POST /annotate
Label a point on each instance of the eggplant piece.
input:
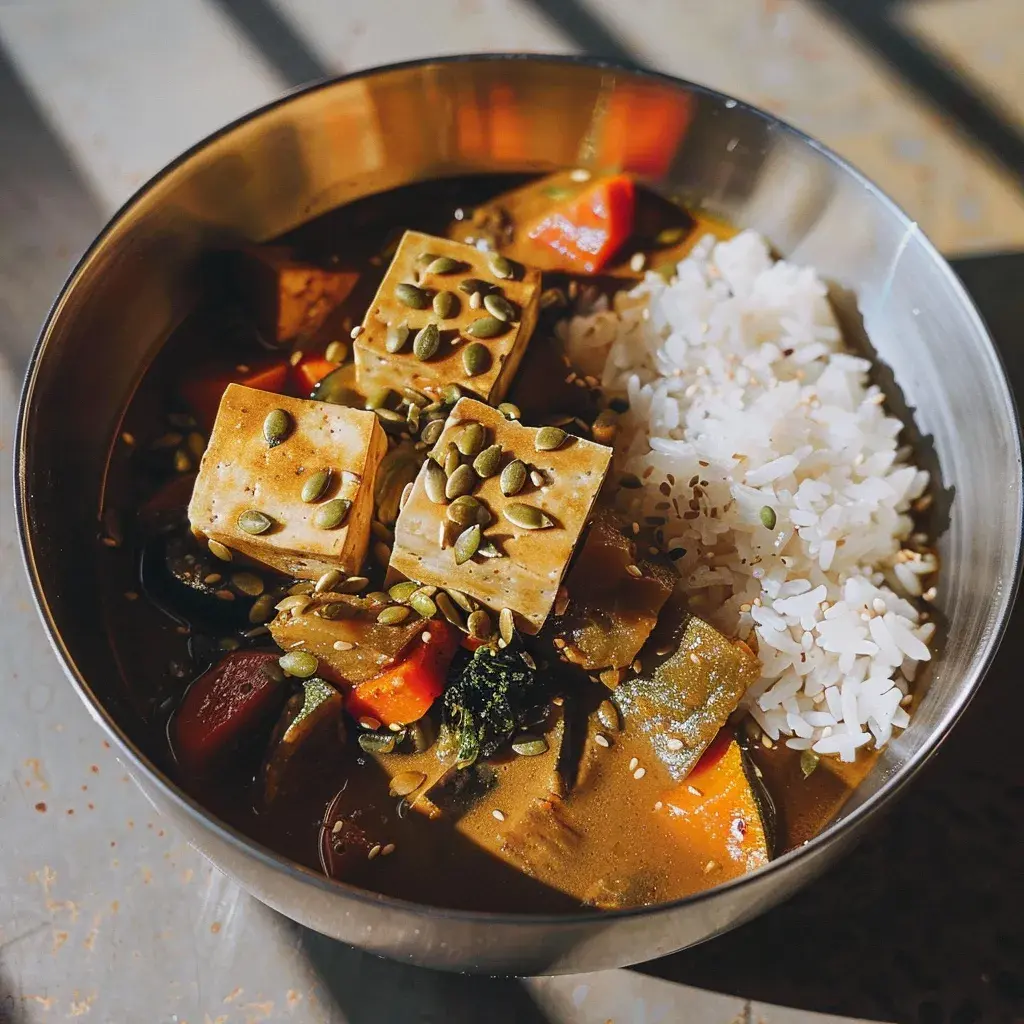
(457, 791)
(187, 583)
(683, 702)
(311, 721)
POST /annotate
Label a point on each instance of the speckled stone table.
(105, 913)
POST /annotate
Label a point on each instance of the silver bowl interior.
(338, 141)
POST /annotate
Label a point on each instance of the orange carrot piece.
(587, 231)
(310, 372)
(203, 393)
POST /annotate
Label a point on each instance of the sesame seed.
(580, 174)
(674, 744)
(498, 815)
(338, 826)
(634, 570)
(388, 850)
(930, 594)
(128, 439)
(131, 595)
(637, 666)
(601, 740)
(710, 866)
(636, 528)
(367, 722)
(296, 357)
(570, 378)
(476, 300)
(537, 478)
(695, 658)
(426, 636)
(658, 806)
(766, 742)
(694, 790)
(356, 331)
(374, 851)
(637, 262)
(639, 773)
(633, 762)
(110, 542)
(591, 381)
(343, 645)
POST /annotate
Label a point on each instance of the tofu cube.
(526, 579)
(241, 472)
(377, 367)
(290, 299)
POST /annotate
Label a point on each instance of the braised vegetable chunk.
(288, 299)
(342, 632)
(721, 812)
(614, 598)
(589, 229)
(404, 692)
(203, 393)
(447, 313)
(497, 510)
(682, 704)
(308, 718)
(257, 491)
(228, 707)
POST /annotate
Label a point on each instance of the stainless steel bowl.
(344, 139)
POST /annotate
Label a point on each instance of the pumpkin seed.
(304, 587)
(466, 544)
(507, 625)
(475, 359)
(432, 431)
(808, 762)
(471, 439)
(327, 582)
(608, 716)
(768, 517)
(434, 482)
(272, 671)
(262, 609)
(670, 236)
(407, 782)
(476, 300)
(248, 583)
(316, 486)
(412, 419)
(464, 601)
(377, 599)
(467, 510)
(401, 592)
(424, 260)
(488, 549)
(479, 625)
(396, 337)
(378, 398)
(510, 411)
(513, 478)
(218, 550)
(196, 444)
(547, 439)
(182, 463)
(254, 522)
(423, 604)
(501, 266)
(336, 352)
(427, 342)
(552, 297)
(377, 742)
(450, 394)
(294, 603)
(527, 517)
(411, 296)
(353, 585)
(487, 463)
(447, 608)
(451, 459)
(276, 427)
(530, 746)
(474, 284)
(381, 553)
(335, 610)
(446, 305)
(300, 664)
(387, 416)
(498, 306)
(486, 327)
(331, 514)
(443, 265)
(393, 615)
(461, 482)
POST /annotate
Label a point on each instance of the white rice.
(736, 375)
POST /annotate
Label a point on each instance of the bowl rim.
(267, 857)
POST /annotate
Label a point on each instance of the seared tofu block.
(614, 598)
(433, 281)
(290, 299)
(343, 633)
(254, 494)
(531, 506)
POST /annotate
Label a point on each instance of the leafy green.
(484, 703)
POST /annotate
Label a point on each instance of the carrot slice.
(405, 692)
(203, 392)
(588, 230)
(310, 372)
(717, 813)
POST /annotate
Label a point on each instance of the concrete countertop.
(105, 913)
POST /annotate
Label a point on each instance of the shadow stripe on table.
(584, 28)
